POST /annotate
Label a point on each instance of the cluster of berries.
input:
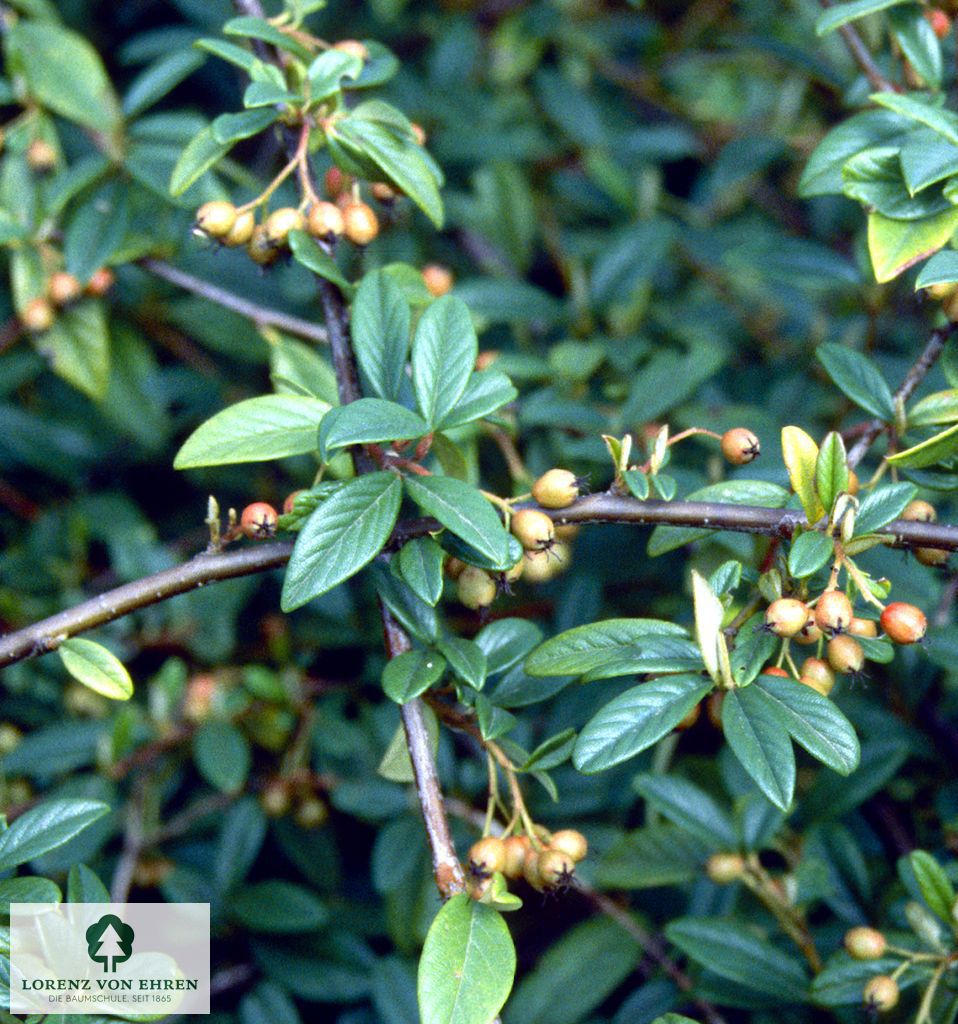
(881, 992)
(62, 291)
(283, 794)
(547, 863)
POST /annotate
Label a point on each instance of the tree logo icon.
(109, 941)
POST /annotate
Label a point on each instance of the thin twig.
(261, 316)
(862, 56)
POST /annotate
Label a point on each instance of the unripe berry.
(360, 223)
(41, 156)
(865, 943)
(258, 521)
(567, 532)
(476, 588)
(540, 566)
(740, 446)
(556, 868)
(101, 282)
(556, 489)
(786, 616)
(275, 799)
(514, 574)
(903, 623)
(325, 221)
(939, 21)
(933, 557)
(311, 813)
(453, 567)
(487, 856)
(353, 47)
(534, 530)
(215, 219)
(863, 627)
(10, 737)
(530, 870)
(845, 654)
(38, 315)
(853, 482)
(833, 612)
(570, 842)
(383, 193)
(818, 675)
(881, 993)
(241, 231)
(774, 670)
(810, 633)
(260, 249)
(713, 708)
(437, 279)
(919, 511)
(516, 848)
(63, 288)
(279, 224)
(725, 868)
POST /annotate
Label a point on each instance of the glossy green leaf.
(327, 71)
(942, 268)
(444, 350)
(859, 378)
(689, 807)
(841, 14)
(409, 674)
(78, 348)
(883, 505)
(259, 28)
(928, 453)
(96, 668)
(809, 552)
(419, 563)
(485, 392)
(831, 469)
(368, 421)
(760, 742)
(590, 647)
(308, 252)
(934, 410)
(466, 659)
(45, 827)
(278, 907)
(936, 887)
(896, 245)
(380, 332)
(256, 430)
(924, 111)
(222, 755)
(344, 534)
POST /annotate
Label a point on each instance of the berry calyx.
(280, 223)
(919, 511)
(361, 225)
(325, 221)
(903, 623)
(786, 617)
(845, 655)
(863, 627)
(865, 943)
(101, 281)
(570, 842)
(881, 993)
(809, 634)
(516, 849)
(534, 530)
(740, 446)
(487, 856)
(215, 218)
(725, 868)
(557, 488)
(475, 588)
(556, 869)
(258, 521)
(833, 612)
(817, 675)
(63, 288)
(38, 315)
(241, 231)
(437, 279)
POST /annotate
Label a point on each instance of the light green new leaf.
(78, 347)
(831, 469)
(801, 457)
(935, 885)
(709, 612)
(96, 668)
(935, 409)
(345, 533)
(467, 966)
(256, 430)
(928, 453)
(896, 245)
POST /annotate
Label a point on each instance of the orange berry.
(939, 21)
(325, 221)
(740, 446)
(41, 156)
(354, 47)
(516, 848)
(845, 654)
(881, 993)
(903, 623)
(919, 511)
(863, 627)
(786, 617)
(833, 612)
(437, 279)
(258, 521)
(336, 183)
(774, 670)
(38, 315)
(534, 530)
(101, 282)
(487, 856)
(558, 488)
(361, 224)
(63, 288)
(818, 675)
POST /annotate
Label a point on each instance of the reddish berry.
(740, 446)
(353, 47)
(903, 623)
(939, 21)
(786, 617)
(336, 183)
(690, 719)
(63, 288)
(865, 943)
(486, 358)
(38, 315)
(101, 282)
(853, 483)
(774, 670)
(383, 193)
(290, 500)
(419, 133)
(258, 521)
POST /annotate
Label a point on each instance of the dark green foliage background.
(622, 215)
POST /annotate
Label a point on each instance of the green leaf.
(761, 743)
(380, 332)
(84, 886)
(813, 721)
(842, 981)
(278, 907)
(463, 511)
(259, 28)
(941, 121)
(63, 73)
(809, 553)
(97, 668)
(918, 42)
(444, 350)
(307, 251)
(230, 128)
(875, 178)
(466, 659)
(823, 172)
(327, 71)
(222, 755)
(635, 720)
(934, 410)
(420, 565)
(396, 765)
(709, 612)
(199, 156)
(735, 951)
(368, 421)
(859, 378)
(831, 469)
(269, 94)
(96, 231)
(649, 857)
(159, 79)
(551, 752)
(345, 533)
(883, 505)
(467, 965)
(942, 268)
(78, 347)
(409, 674)
(801, 458)
(229, 52)
(689, 807)
(928, 453)
(934, 884)
(45, 827)
(29, 889)
(841, 14)
(926, 159)
(591, 647)
(485, 392)
(256, 430)
(896, 245)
